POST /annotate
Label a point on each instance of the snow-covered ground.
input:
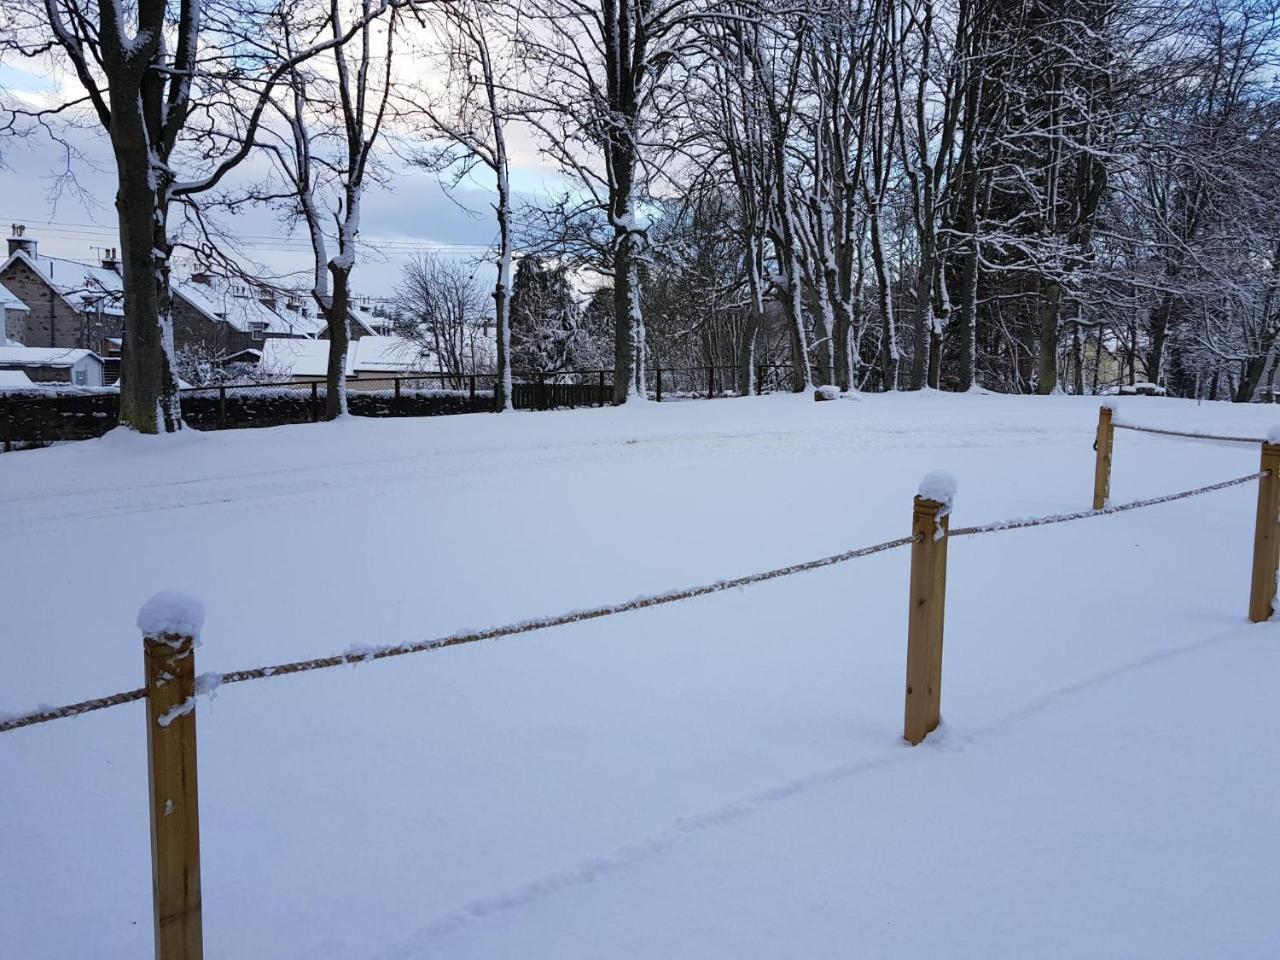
(723, 777)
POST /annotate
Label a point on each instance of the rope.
(492, 633)
(71, 710)
(1105, 511)
(1183, 433)
(609, 610)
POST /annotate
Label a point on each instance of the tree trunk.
(149, 401)
(335, 404)
(1159, 332)
(1047, 368)
(628, 340)
(502, 297)
(888, 339)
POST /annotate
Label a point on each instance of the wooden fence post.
(1102, 466)
(929, 526)
(1266, 535)
(658, 372)
(315, 401)
(711, 383)
(170, 624)
(222, 407)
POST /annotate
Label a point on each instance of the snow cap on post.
(171, 612)
(940, 487)
(1273, 435)
(1111, 404)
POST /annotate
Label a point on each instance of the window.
(256, 331)
(79, 377)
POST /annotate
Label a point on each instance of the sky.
(412, 213)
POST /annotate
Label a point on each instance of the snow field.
(719, 777)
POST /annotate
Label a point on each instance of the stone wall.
(81, 414)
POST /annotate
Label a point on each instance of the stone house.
(78, 305)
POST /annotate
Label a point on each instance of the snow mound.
(171, 611)
(940, 487)
(827, 392)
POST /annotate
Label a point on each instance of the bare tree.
(442, 315)
(472, 114)
(147, 70)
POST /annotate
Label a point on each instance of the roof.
(362, 313)
(8, 301)
(299, 358)
(366, 356)
(84, 287)
(14, 378)
(392, 355)
(44, 356)
(240, 305)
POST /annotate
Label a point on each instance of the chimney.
(201, 276)
(111, 260)
(20, 241)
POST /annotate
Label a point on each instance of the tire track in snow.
(685, 829)
(344, 477)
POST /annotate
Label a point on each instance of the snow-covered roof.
(242, 306)
(10, 302)
(362, 313)
(392, 355)
(14, 378)
(83, 286)
(299, 358)
(368, 356)
(44, 356)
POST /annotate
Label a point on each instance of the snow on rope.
(1019, 524)
(1189, 434)
(366, 654)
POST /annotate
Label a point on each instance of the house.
(69, 304)
(79, 305)
(13, 314)
(371, 359)
(53, 365)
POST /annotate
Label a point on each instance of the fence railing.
(171, 624)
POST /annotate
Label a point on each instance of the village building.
(371, 361)
(50, 365)
(69, 304)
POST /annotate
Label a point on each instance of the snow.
(720, 777)
(171, 612)
(1273, 433)
(44, 356)
(827, 392)
(940, 487)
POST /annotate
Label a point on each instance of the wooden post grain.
(1266, 537)
(1102, 466)
(175, 821)
(925, 619)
